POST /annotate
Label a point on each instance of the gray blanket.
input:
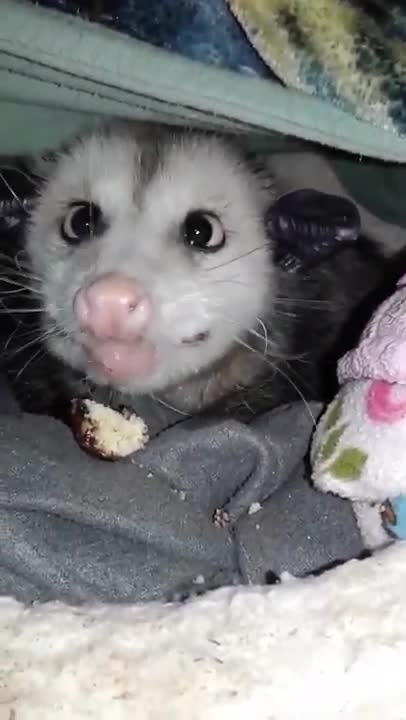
(76, 528)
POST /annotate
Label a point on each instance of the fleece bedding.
(76, 532)
(78, 529)
(329, 647)
(58, 70)
(330, 72)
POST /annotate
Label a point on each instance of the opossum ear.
(42, 165)
(17, 193)
(308, 226)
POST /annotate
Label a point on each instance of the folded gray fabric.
(76, 528)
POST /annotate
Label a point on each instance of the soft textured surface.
(58, 72)
(359, 446)
(76, 528)
(332, 647)
(360, 457)
(203, 30)
(381, 351)
(349, 52)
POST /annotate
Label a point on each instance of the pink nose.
(114, 306)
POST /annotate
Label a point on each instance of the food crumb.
(199, 580)
(221, 518)
(107, 433)
(254, 508)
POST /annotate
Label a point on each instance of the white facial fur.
(224, 292)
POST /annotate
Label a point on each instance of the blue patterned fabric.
(353, 56)
(291, 42)
(203, 30)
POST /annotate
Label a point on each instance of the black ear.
(17, 194)
(308, 226)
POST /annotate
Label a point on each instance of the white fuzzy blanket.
(322, 648)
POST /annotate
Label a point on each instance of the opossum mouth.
(196, 339)
(119, 361)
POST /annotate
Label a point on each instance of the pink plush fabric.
(381, 352)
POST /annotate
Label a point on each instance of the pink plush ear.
(402, 281)
(381, 353)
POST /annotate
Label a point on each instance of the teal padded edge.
(32, 129)
(60, 62)
(379, 187)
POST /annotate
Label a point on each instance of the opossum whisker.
(263, 337)
(272, 350)
(39, 338)
(303, 302)
(16, 291)
(275, 353)
(20, 270)
(19, 170)
(13, 271)
(24, 265)
(13, 332)
(168, 406)
(277, 369)
(230, 281)
(28, 344)
(8, 278)
(20, 335)
(313, 304)
(285, 313)
(236, 258)
(11, 190)
(279, 299)
(18, 276)
(16, 257)
(20, 287)
(12, 311)
(40, 352)
(266, 338)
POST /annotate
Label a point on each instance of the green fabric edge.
(379, 187)
(50, 62)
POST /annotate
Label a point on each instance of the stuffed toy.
(359, 446)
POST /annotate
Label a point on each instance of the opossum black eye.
(203, 231)
(82, 221)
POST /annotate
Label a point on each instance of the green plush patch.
(333, 414)
(331, 442)
(348, 465)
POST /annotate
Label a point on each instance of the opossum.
(151, 271)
